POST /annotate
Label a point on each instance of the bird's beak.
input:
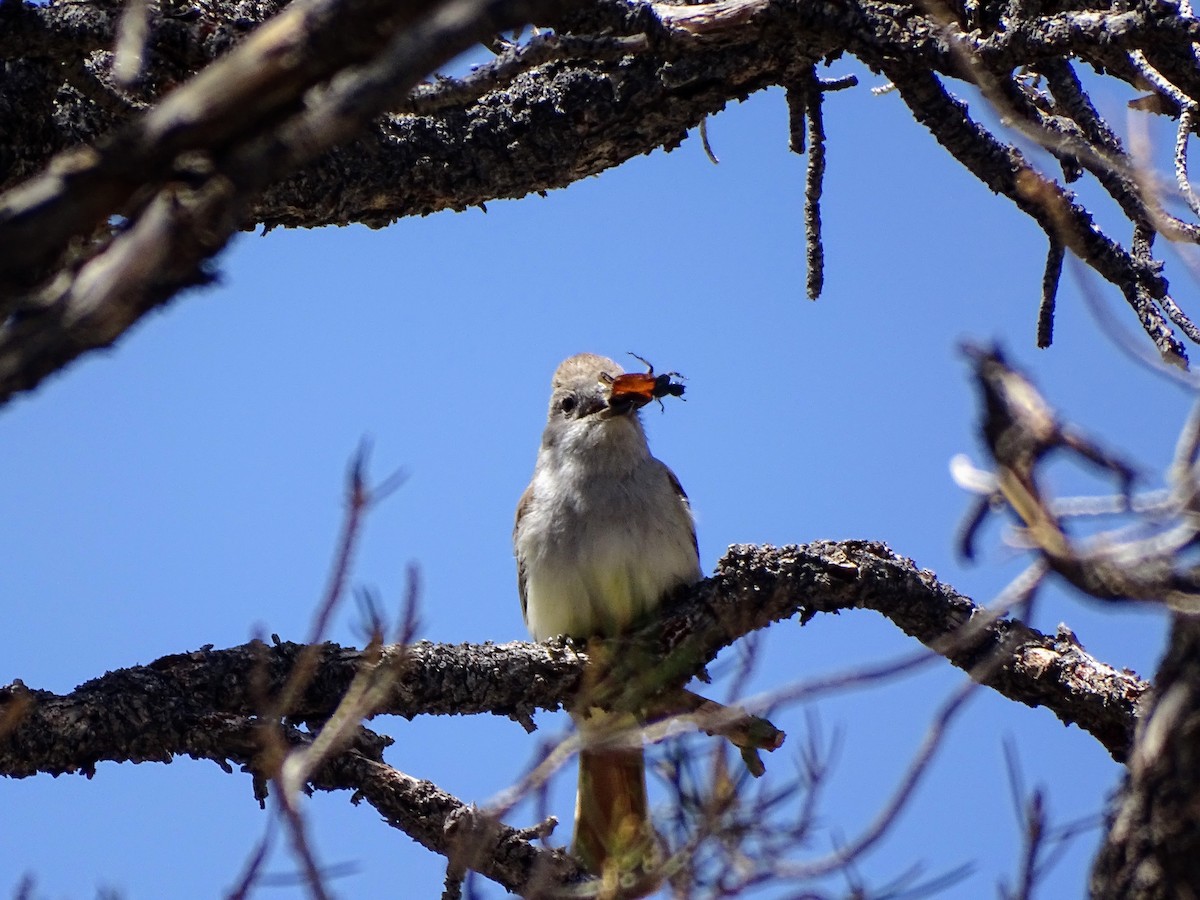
(616, 403)
(622, 405)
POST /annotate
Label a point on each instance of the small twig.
(845, 82)
(359, 498)
(708, 150)
(1050, 279)
(1187, 124)
(374, 681)
(806, 129)
(1143, 242)
(292, 769)
(1042, 844)
(749, 733)
(452, 887)
(797, 103)
(254, 864)
(1160, 81)
(1032, 812)
(1182, 474)
(813, 185)
(1165, 366)
(302, 846)
(917, 768)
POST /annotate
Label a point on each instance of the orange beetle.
(642, 387)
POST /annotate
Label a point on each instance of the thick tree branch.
(267, 134)
(149, 713)
(756, 585)
(205, 151)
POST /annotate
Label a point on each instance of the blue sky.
(185, 488)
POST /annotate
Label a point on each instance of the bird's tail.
(614, 838)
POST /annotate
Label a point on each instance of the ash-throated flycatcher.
(603, 533)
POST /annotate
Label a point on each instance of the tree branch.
(208, 149)
(149, 713)
(267, 133)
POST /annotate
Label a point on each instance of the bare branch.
(149, 713)
(814, 178)
(1005, 170)
(265, 136)
(1050, 280)
(222, 133)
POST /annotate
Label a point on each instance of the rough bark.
(1153, 845)
(127, 168)
(138, 714)
(317, 118)
(210, 703)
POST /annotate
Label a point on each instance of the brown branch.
(1004, 169)
(1050, 279)
(434, 818)
(873, 31)
(814, 178)
(149, 713)
(225, 135)
(264, 136)
(756, 585)
(445, 825)
(252, 86)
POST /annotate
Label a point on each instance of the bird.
(603, 533)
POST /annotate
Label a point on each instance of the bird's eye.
(567, 405)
